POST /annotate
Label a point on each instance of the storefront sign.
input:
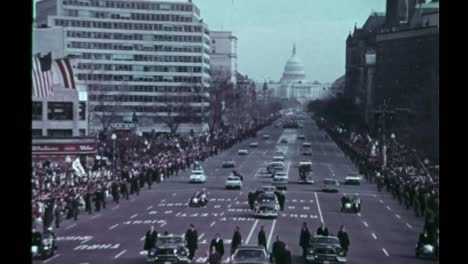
(122, 126)
(64, 148)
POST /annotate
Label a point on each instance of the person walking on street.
(75, 207)
(286, 256)
(57, 214)
(150, 239)
(115, 192)
(218, 243)
(214, 257)
(322, 230)
(344, 239)
(191, 238)
(124, 189)
(281, 200)
(97, 201)
(236, 240)
(304, 239)
(277, 250)
(251, 200)
(262, 238)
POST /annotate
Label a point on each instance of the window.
(36, 132)
(59, 132)
(60, 111)
(82, 132)
(82, 111)
(37, 111)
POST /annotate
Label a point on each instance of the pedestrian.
(322, 230)
(344, 239)
(115, 192)
(97, 201)
(304, 239)
(262, 238)
(251, 200)
(281, 200)
(218, 243)
(286, 256)
(236, 240)
(214, 257)
(277, 250)
(191, 238)
(75, 207)
(124, 189)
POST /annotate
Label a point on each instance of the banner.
(78, 168)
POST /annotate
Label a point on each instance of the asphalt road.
(384, 232)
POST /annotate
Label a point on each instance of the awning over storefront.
(53, 148)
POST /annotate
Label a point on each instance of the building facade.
(148, 58)
(223, 56)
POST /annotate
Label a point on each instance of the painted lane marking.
(374, 236)
(163, 200)
(143, 238)
(381, 201)
(359, 214)
(398, 216)
(212, 224)
(174, 194)
(120, 254)
(96, 216)
(70, 226)
(45, 261)
(388, 208)
(318, 206)
(365, 224)
(408, 225)
(251, 232)
(221, 214)
(133, 216)
(84, 241)
(114, 226)
(385, 251)
(163, 224)
(149, 207)
(271, 233)
(201, 236)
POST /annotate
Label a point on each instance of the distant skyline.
(266, 31)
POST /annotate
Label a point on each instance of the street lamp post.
(392, 136)
(114, 138)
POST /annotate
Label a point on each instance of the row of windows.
(128, 16)
(148, 99)
(58, 111)
(139, 57)
(144, 88)
(136, 78)
(137, 68)
(148, 109)
(126, 26)
(130, 47)
(106, 35)
(129, 5)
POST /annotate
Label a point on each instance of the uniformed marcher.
(191, 238)
(236, 240)
(262, 238)
(115, 192)
(75, 207)
(218, 243)
(304, 240)
(344, 239)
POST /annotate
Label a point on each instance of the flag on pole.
(78, 168)
(42, 75)
(65, 73)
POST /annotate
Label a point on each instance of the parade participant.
(236, 240)
(218, 243)
(304, 239)
(191, 239)
(262, 238)
(344, 239)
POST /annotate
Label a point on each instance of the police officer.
(236, 240)
(191, 238)
(262, 238)
(304, 239)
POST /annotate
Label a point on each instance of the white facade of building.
(145, 57)
(224, 53)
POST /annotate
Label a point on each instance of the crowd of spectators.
(415, 183)
(60, 192)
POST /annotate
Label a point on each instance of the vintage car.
(197, 176)
(233, 182)
(266, 210)
(353, 206)
(284, 141)
(324, 250)
(353, 179)
(228, 164)
(305, 172)
(274, 166)
(254, 145)
(266, 136)
(242, 152)
(265, 189)
(250, 254)
(280, 181)
(330, 185)
(301, 137)
(306, 149)
(262, 198)
(199, 199)
(169, 249)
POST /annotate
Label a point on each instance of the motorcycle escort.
(45, 248)
(198, 200)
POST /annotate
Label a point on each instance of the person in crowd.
(322, 230)
(218, 243)
(236, 240)
(281, 200)
(304, 239)
(191, 239)
(344, 239)
(262, 238)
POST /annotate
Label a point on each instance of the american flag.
(42, 75)
(64, 70)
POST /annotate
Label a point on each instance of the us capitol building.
(293, 83)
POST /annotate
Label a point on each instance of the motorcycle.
(198, 202)
(353, 206)
(45, 250)
(426, 252)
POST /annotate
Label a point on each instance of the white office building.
(149, 58)
(224, 53)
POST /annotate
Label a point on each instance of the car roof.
(251, 247)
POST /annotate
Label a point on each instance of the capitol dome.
(294, 69)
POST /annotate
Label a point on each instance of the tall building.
(223, 56)
(145, 58)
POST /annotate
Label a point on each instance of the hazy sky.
(267, 29)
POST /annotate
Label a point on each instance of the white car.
(280, 181)
(353, 179)
(254, 145)
(242, 152)
(197, 176)
(233, 182)
(278, 159)
(266, 136)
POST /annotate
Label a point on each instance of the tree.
(221, 95)
(103, 113)
(173, 118)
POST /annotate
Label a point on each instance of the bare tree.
(100, 111)
(221, 95)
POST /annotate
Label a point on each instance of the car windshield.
(170, 240)
(233, 178)
(268, 188)
(249, 254)
(329, 182)
(197, 172)
(324, 240)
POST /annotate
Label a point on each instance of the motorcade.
(199, 199)
(197, 176)
(305, 172)
(233, 182)
(242, 152)
(325, 250)
(228, 164)
(254, 145)
(250, 254)
(169, 249)
(351, 205)
(278, 158)
(274, 166)
(301, 137)
(266, 136)
(280, 181)
(353, 179)
(330, 185)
